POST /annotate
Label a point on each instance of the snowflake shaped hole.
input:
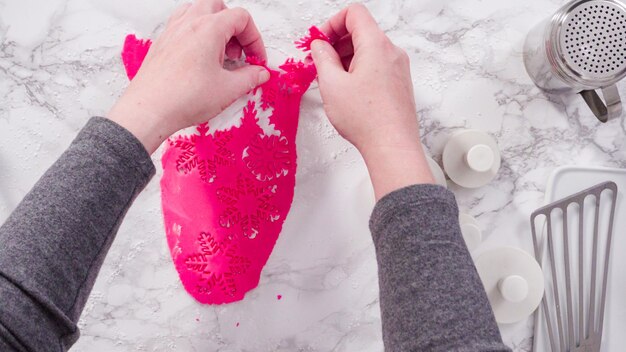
(247, 207)
(216, 264)
(268, 157)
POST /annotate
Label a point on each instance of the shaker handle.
(604, 111)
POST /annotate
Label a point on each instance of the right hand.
(365, 83)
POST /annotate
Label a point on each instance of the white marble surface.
(59, 64)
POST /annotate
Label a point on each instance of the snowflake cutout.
(268, 157)
(213, 275)
(296, 72)
(248, 206)
(189, 159)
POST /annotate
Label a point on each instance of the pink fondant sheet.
(226, 195)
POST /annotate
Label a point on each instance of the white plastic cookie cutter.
(471, 158)
(440, 177)
(513, 281)
(472, 234)
(438, 174)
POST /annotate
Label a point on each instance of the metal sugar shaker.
(581, 49)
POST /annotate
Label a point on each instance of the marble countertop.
(59, 65)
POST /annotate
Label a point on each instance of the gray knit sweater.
(54, 243)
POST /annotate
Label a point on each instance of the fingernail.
(264, 76)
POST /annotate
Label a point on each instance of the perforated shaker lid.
(592, 40)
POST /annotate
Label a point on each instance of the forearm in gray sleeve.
(431, 296)
(53, 245)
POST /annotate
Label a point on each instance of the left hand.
(182, 81)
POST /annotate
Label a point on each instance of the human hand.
(366, 87)
(182, 81)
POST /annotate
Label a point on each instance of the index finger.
(238, 23)
(354, 20)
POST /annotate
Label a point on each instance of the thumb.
(244, 79)
(325, 58)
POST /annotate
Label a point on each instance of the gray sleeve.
(431, 297)
(53, 245)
